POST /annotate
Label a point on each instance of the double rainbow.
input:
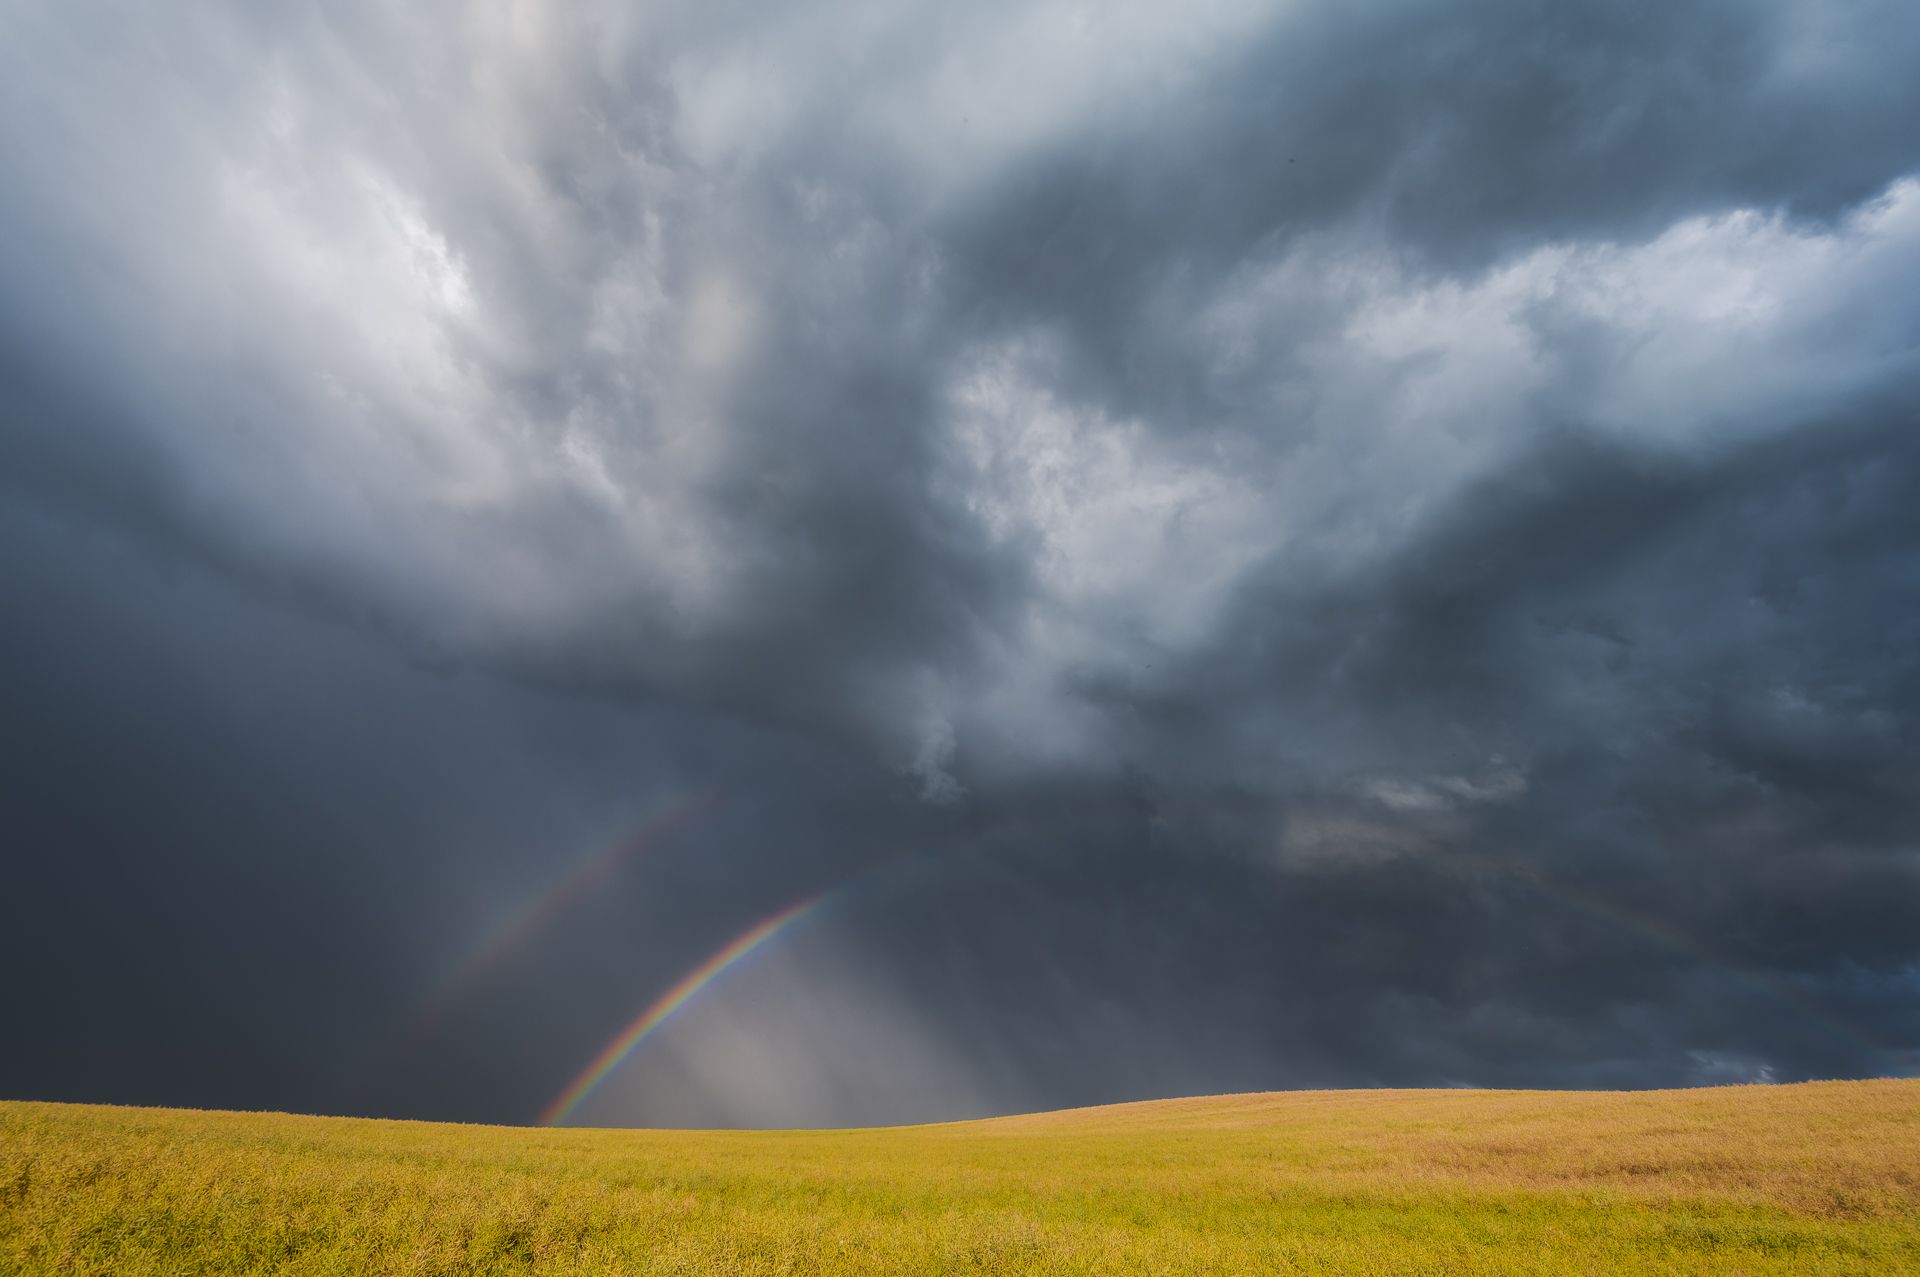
(513, 933)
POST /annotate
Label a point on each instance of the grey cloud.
(1284, 544)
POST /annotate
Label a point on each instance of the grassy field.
(1817, 1178)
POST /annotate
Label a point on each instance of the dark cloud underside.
(1236, 546)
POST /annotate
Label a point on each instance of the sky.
(1171, 549)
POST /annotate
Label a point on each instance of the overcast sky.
(1233, 545)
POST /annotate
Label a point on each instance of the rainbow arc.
(662, 1008)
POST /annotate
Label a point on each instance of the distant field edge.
(1765, 1181)
(1189, 1103)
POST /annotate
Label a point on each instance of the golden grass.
(1816, 1178)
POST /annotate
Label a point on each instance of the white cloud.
(482, 330)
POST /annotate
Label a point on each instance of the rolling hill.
(1810, 1178)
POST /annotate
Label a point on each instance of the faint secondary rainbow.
(672, 1000)
(533, 917)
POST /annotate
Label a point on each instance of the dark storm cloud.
(1275, 544)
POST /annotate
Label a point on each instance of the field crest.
(1812, 1178)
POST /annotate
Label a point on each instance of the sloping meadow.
(1814, 1178)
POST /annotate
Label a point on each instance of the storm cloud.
(1231, 546)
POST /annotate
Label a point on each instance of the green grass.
(1817, 1178)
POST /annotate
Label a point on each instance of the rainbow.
(1658, 930)
(672, 1000)
(537, 914)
